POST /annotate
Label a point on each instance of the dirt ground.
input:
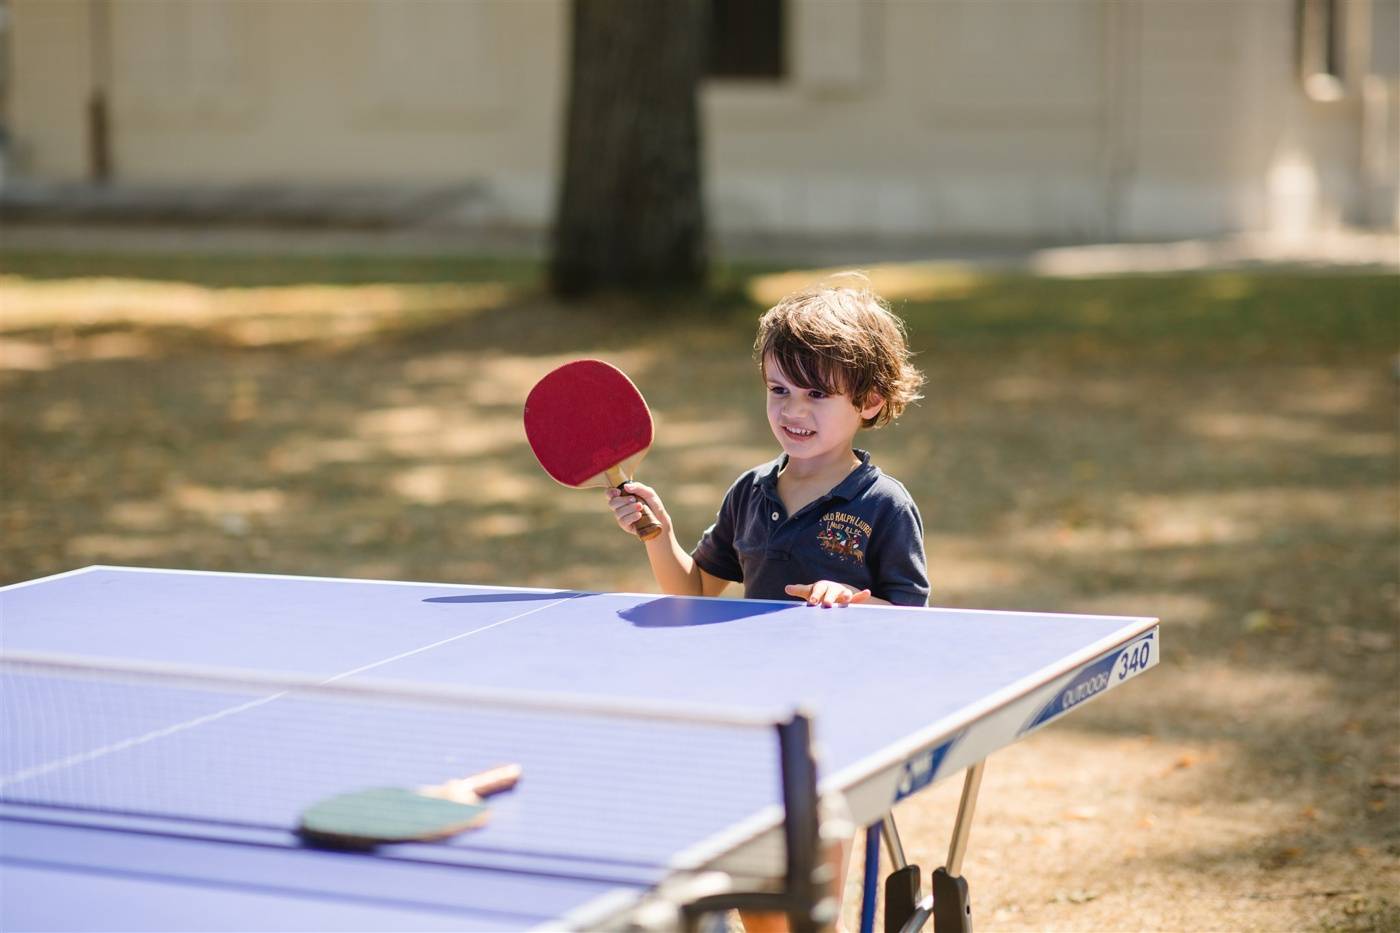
(1219, 451)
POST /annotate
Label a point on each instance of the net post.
(804, 897)
(809, 905)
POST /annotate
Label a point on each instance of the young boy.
(820, 523)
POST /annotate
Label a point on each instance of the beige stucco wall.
(47, 88)
(300, 91)
(1046, 119)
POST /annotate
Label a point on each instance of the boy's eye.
(777, 390)
(816, 393)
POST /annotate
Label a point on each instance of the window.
(746, 39)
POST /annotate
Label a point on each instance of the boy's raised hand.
(632, 501)
(827, 593)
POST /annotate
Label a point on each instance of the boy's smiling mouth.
(800, 433)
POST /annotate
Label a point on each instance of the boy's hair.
(840, 337)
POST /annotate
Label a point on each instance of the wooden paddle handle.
(646, 526)
(470, 789)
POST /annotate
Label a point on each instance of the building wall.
(1039, 119)
(373, 92)
(47, 89)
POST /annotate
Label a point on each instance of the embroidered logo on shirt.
(844, 536)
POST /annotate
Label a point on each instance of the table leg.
(947, 903)
(872, 871)
(902, 885)
(952, 912)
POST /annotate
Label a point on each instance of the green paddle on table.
(366, 818)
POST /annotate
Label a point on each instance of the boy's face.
(808, 423)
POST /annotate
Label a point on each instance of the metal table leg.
(948, 902)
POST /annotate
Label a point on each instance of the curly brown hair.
(841, 338)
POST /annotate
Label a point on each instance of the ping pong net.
(690, 803)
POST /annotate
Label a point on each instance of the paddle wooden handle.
(646, 527)
(472, 789)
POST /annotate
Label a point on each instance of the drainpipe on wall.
(1121, 53)
(99, 124)
(1375, 78)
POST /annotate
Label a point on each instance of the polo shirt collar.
(766, 477)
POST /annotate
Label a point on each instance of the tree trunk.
(630, 215)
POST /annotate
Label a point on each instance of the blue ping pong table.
(156, 749)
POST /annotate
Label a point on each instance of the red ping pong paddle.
(589, 426)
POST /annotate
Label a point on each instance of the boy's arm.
(675, 570)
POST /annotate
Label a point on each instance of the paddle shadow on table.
(685, 612)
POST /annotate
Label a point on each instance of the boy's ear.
(873, 403)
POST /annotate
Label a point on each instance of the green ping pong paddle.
(366, 818)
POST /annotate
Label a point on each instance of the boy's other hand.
(631, 501)
(827, 593)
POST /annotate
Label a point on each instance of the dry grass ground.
(1219, 450)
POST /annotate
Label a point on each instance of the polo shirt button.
(775, 516)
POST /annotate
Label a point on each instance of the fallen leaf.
(1077, 896)
(1257, 621)
(1282, 857)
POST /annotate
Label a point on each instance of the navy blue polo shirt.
(866, 533)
